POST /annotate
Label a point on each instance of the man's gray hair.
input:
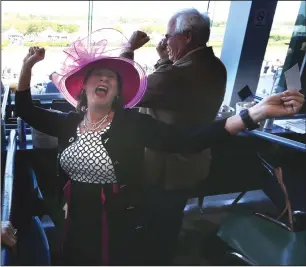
(191, 19)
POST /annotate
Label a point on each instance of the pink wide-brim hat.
(99, 50)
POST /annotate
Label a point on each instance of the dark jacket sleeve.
(45, 121)
(160, 82)
(160, 91)
(174, 139)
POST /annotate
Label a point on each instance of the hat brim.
(133, 79)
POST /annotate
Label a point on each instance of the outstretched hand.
(34, 55)
(279, 105)
(283, 104)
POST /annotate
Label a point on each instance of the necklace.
(95, 125)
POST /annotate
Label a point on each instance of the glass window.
(152, 17)
(218, 12)
(282, 32)
(39, 23)
(297, 47)
(48, 24)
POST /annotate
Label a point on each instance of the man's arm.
(160, 83)
(163, 81)
(127, 53)
(161, 62)
(160, 88)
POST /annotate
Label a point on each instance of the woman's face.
(101, 88)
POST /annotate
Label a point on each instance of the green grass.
(5, 43)
(47, 44)
(217, 45)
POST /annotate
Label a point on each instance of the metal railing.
(6, 100)
(7, 190)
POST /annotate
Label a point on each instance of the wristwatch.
(247, 120)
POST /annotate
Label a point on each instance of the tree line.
(34, 24)
(35, 27)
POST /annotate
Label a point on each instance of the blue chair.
(33, 247)
(257, 239)
(45, 220)
(6, 256)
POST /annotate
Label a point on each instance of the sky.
(112, 7)
(164, 9)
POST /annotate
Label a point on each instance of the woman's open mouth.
(101, 91)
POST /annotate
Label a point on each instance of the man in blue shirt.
(51, 88)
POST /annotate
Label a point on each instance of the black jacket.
(129, 134)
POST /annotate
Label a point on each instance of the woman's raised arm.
(43, 120)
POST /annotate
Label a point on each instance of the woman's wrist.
(257, 113)
(25, 77)
(27, 66)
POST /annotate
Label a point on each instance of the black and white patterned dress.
(87, 160)
(92, 181)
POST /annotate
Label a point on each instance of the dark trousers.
(166, 211)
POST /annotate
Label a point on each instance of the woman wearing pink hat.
(101, 148)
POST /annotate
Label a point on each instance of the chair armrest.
(280, 224)
(299, 220)
(240, 258)
(299, 213)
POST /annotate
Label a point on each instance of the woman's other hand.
(34, 55)
(8, 234)
(283, 104)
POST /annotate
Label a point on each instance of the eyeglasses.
(168, 35)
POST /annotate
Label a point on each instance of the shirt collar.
(190, 53)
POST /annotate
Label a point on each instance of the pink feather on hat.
(101, 49)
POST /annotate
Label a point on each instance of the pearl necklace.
(95, 125)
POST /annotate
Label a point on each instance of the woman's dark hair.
(82, 98)
(50, 76)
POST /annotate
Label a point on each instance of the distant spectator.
(13, 87)
(266, 67)
(51, 88)
(277, 64)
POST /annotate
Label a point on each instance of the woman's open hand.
(283, 104)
